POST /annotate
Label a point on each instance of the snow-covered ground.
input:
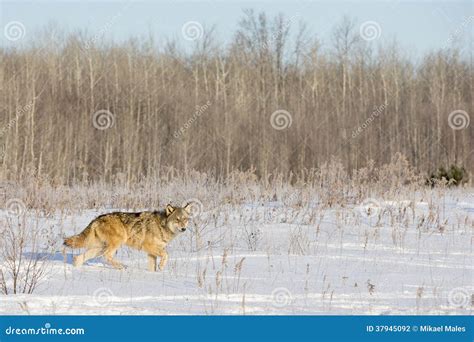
(392, 256)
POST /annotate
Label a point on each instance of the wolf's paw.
(77, 261)
(121, 267)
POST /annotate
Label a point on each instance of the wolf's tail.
(79, 240)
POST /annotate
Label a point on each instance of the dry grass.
(24, 253)
(236, 215)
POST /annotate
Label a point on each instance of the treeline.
(73, 108)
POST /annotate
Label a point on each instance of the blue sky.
(417, 25)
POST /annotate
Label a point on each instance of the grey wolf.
(150, 231)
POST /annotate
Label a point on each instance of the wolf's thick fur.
(149, 231)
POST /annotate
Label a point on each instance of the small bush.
(455, 175)
(252, 236)
(24, 261)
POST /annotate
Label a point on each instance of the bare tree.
(347, 100)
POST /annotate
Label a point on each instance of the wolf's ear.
(169, 210)
(187, 208)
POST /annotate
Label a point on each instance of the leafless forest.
(306, 161)
(274, 100)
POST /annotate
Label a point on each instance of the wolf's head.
(177, 218)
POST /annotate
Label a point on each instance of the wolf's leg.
(151, 262)
(153, 252)
(89, 254)
(109, 256)
(164, 259)
(92, 253)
